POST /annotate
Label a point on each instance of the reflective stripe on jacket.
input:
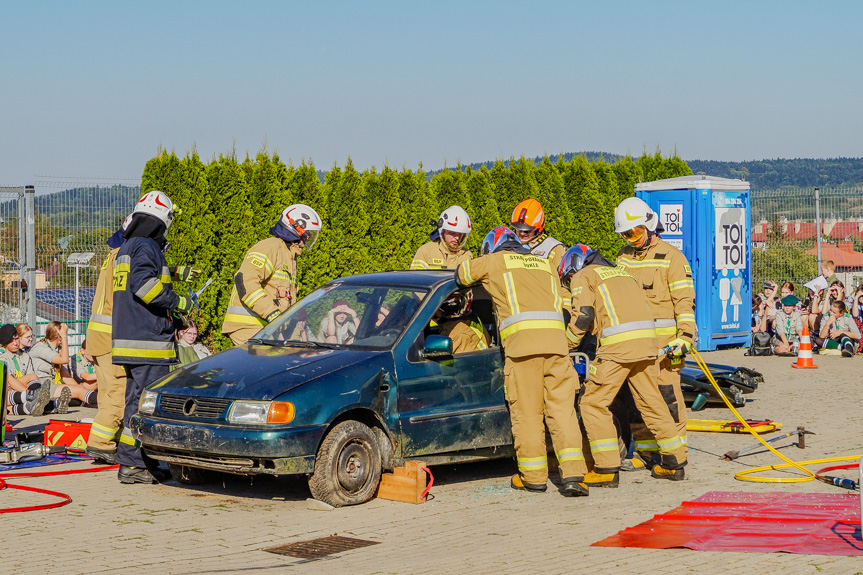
(664, 274)
(608, 302)
(99, 327)
(436, 256)
(526, 301)
(269, 267)
(141, 327)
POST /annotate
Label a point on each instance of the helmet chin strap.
(647, 241)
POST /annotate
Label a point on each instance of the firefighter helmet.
(455, 219)
(495, 238)
(456, 305)
(303, 221)
(573, 260)
(157, 204)
(528, 216)
(634, 212)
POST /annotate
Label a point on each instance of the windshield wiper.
(264, 341)
(299, 343)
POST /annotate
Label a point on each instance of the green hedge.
(375, 220)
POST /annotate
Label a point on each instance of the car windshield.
(346, 315)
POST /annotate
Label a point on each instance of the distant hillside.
(801, 172)
(91, 207)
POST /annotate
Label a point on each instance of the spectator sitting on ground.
(857, 312)
(50, 356)
(81, 368)
(838, 331)
(766, 309)
(25, 335)
(787, 325)
(340, 324)
(786, 290)
(25, 395)
(189, 349)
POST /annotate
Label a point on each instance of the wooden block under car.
(404, 483)
(72, 434)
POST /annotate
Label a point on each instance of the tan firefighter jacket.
(608, 302)
(664, 274)
(467, 334)
(436, 256)
(270, 267)
(527, 303)
(553, 250)
(99, 327)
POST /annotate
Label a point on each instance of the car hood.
(257, 371)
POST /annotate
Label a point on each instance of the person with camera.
(822, 302)
(764, 312)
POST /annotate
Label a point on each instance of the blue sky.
(95, 88)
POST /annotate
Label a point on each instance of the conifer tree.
(485, 216)
(420, 206)
(582, 195)
(550, 193)
(350, 223)
(315, 266)
(388, 221)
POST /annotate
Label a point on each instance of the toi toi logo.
(672, 219)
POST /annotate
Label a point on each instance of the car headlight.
(147, 404)
(261, 412)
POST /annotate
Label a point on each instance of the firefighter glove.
(679, 347)
(185, 305)
(186, 273)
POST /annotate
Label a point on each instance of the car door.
(454, 404)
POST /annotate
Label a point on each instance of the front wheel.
(347, 466)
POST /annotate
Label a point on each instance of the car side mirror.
(437, 346)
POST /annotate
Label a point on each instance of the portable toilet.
(709, 219)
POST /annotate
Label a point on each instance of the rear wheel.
(347, 466)
(189, 475)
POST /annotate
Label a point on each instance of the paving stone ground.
(474, 524)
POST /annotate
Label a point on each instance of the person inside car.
(340, 324)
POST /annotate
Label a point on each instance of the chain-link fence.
(12, 260)
(73, 218)
(787, 245)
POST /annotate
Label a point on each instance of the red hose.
(66, 499)
(431, 482)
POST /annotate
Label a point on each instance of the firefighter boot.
(517, 483)
(634, 464)
(660, 472)
(573, 487)
(101, 455)
(595, 479)
(135, 475)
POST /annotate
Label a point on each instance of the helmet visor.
(635, 235)
(310, 237)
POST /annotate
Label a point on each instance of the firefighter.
(458, 323)
(111, 378)
(142, 326)
(528, 221)
(539, 377)
(608, 302)
(265, 286)
(664, 274)
(444, 251)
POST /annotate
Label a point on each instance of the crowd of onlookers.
(43, 377)
(833, 316)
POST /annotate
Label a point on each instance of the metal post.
(818, 224)
(21, 256)
(77, 298)
(30, 239)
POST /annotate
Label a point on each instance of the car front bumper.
(232, 449)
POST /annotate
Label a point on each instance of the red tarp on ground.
(806, 523)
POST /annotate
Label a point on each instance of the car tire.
(347, 466)
(188, 475)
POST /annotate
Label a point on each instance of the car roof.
(402, 278)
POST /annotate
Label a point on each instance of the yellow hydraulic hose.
(746, 474)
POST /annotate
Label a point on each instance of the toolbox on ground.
(72, 434)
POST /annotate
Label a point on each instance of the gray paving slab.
(474, 523)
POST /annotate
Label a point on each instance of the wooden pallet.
(404, 483)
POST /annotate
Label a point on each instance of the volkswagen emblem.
(189, 407)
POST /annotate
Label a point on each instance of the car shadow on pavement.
(264, 487)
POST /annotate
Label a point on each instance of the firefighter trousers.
(111, 397)
(540, 391)
(669, 388)
(606, 378)
(137, 378)
(242, 335)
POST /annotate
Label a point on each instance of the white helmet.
(634, 212)
(157, 204)
(455, 219)
(303, 221)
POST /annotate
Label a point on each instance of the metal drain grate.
(317, 548)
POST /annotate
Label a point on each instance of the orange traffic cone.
(804, 354)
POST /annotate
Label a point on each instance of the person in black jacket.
(143, 319)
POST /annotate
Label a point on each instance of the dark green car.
(351, 381)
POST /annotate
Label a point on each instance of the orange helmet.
(528, 216)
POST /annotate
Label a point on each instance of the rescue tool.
(195, 295)
(800, 432)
